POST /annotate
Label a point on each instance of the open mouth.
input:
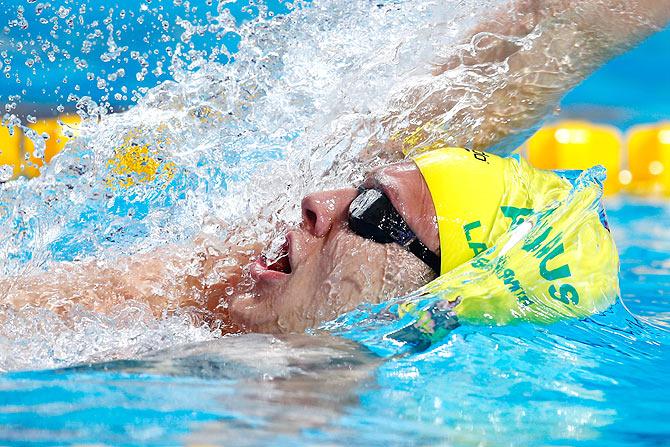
(274, 264)
(278, 260)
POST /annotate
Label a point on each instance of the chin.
(252, 311)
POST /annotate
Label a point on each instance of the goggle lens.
(373, 216)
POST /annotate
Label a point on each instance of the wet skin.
(327, 269)
(324, 270)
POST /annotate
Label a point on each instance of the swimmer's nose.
(321, 211)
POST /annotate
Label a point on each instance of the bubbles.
(6, 173)
(63, 12)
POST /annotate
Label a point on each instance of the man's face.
(324, 270)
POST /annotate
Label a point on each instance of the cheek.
(354, 267)
(404, 273)
(353, 270)
(342, 274)
(345, 272)
(344, 287)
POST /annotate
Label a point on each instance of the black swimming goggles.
(373, 216)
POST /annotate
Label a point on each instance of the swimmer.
(406, 224)
(328, 265)
(322, 270)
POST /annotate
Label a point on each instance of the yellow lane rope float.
(649, 159)
(133, 162)
(10, 153)
(578, 145)
(137, 162)
(17, 151)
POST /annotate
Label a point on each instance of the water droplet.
(6, 173)
(63, 12)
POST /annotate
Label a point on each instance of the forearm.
(514, 68)
(100, 285)
(574, 38)
(192, 276)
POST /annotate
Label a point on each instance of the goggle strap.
(418, 249)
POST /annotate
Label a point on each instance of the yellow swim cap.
(517, 244)
(477, 196)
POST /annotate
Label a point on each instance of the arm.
(191, 276)
(513, 69)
